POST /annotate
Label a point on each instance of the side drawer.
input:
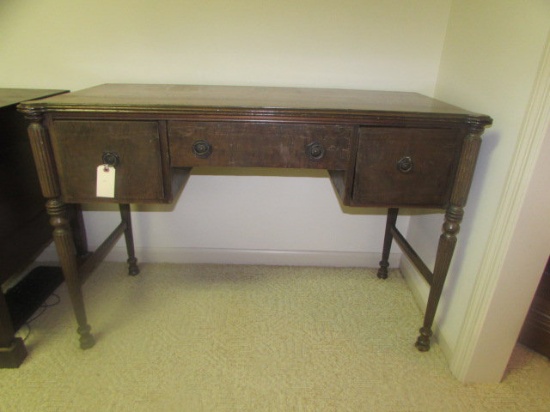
(244, 144)
(405, 167)
(79, 145)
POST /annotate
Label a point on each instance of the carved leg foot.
(383, 271)
(86, 338)
(13, 355)
(133, 268)
(423, 340)
(12, 349)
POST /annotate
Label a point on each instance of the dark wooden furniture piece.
(535, 333)
(24, 224)
(383, 149)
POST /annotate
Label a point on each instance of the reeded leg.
(384, 263)
(445, 250)
(60, 220)
(133, 268)
(66, 251)
(451, 227)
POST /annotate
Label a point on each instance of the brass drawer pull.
(202, 149)
(405, 164)
(315, 151)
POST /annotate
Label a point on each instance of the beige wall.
(368, 44)
(489, 64)
(337, 43)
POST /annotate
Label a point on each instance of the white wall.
(367, 44)
(489, 64)
(519, 273)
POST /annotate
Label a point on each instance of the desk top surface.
(11, 96)
(166, 98)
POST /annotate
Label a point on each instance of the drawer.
(405, 167)
(243, 144)
(79, 146)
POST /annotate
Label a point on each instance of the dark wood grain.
(434, 154)
(235, 99)
(78, 148)
(244, 144)
(24, 223)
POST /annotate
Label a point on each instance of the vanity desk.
(124, 143)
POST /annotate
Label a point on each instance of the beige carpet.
(250, 338)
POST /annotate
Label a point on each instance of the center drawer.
(245, 144)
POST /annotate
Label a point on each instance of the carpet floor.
(250, 338)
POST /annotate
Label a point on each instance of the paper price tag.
(105, 181)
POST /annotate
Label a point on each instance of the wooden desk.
(382, 149)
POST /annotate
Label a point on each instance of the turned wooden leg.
(451, 227)
(60, 220)
(66, 251)
(388, 237)
(445, 250)
(133, 268)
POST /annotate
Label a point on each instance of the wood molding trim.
(532, 134)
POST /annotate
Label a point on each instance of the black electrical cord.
(41, 310)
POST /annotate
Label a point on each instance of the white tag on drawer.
(105, 181)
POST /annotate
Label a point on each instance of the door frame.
(485, 342)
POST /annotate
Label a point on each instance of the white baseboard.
(245, 257)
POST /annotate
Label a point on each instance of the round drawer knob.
(405, 164)
(202, 149)
(315, 151)
(110, 158)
